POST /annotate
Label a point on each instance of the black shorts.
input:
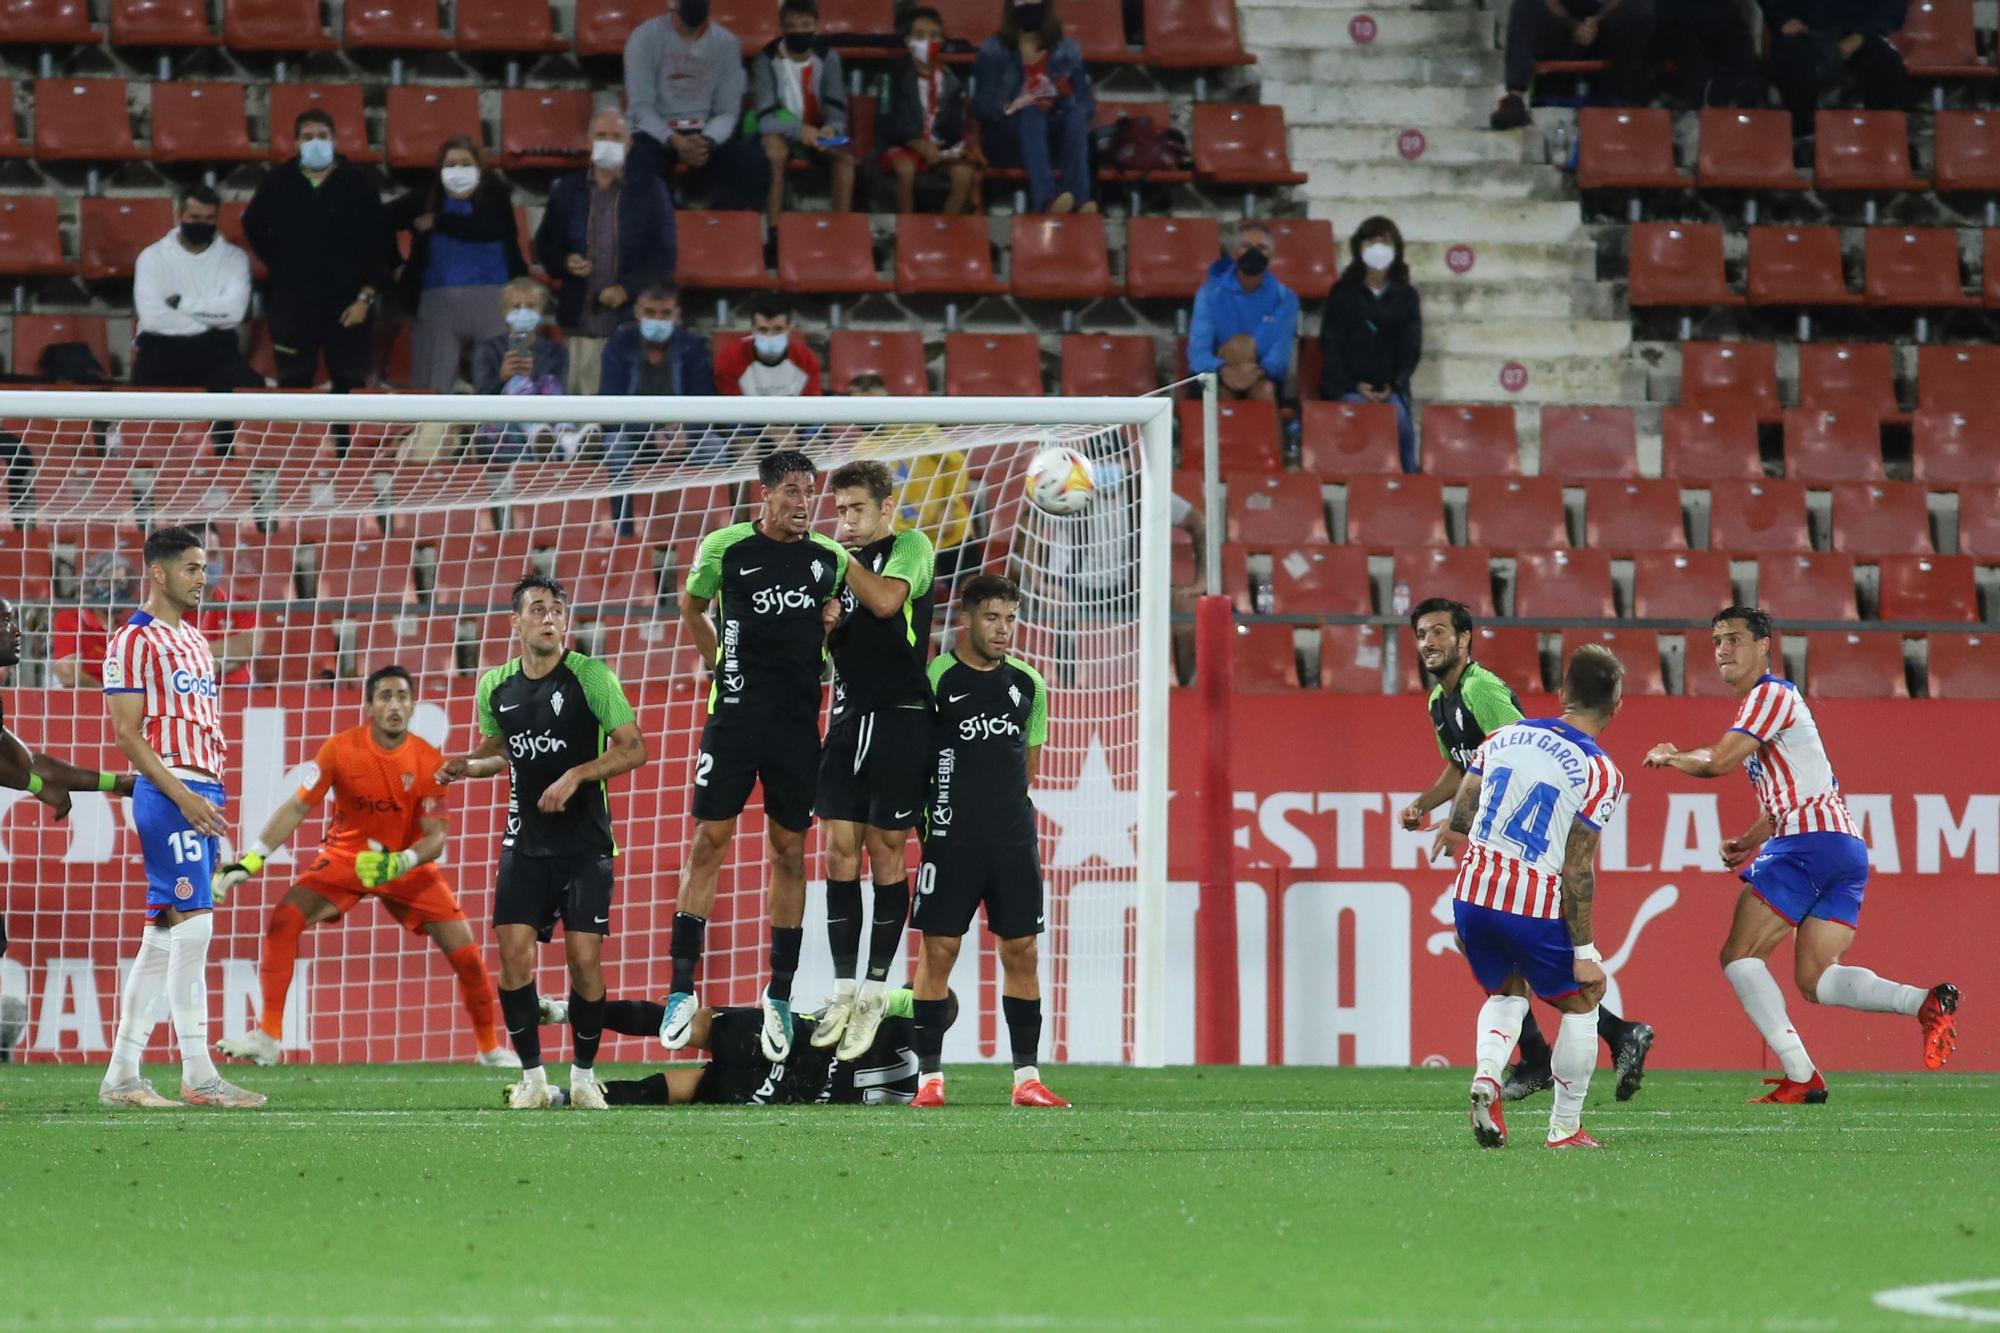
(958, 876)
(739, 749)
(737, 1073)
(536, 890)
(875, 769)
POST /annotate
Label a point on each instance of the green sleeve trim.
(1490, 699)
(939, 665)
(902, 1003)
(1038, 715)
(602, 692)
(705, 579)
(911, 560)
(489, 721)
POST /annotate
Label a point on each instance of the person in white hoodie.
(191, 289)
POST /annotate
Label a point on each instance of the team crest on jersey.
(878, 562)
(409, 781)
(1014, 693)
(818, 569)
(555, 702)
(183, 888)
(1459, 714)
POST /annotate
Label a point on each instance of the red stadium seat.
(295, 648)
(507, 27)
(754, 23)
(1515, 513)
(1100, 31)
(1633, 515)
(394, 25)
(47, 23)
(1955, 448)
(1965, 666)
(1105, 365)
(1928, 587)
(862, 18)
(1966, 152)
(1852, 665)
(1626, 148)
(619, 574)
(1266, 658)
(31, 237)
(1188, 34)
(1563, 583)
(1854, 376)
(542, 127)
(1833, 444)
(1978, 521)
(1746, 150)
(1309, 580)
(342, 101)
(373, 570)
(1342, 439)
(1513, 654)
(201, 122)
(419, 119)
(1350, 659)
(1465, 441)
(1709, 444)
(970, 21)
(1241, 145)
(1282, 509)
(275, 25)
(1915, 266)
(1458, 572)
(1731, 374)
(1937, 41)
(897, 357)
(478, 574)
(1863, 150)
(1247, 431)
(1679, 264)
(827, 252)
(1061, 258)
(947, 256)
(1637, 649)
(229, 225)
(1168, 258)
(83, 120)
(1387, 512)
(112, 232)
(1305, 260)
(721, 251)
(1797, 266)
(1881, 518)
(1807, 587)
(425, 645)
(167, 23)
(1007, 365)
(1957, 378)
(32, 333)
(603, 25)
(1757, 516)
(1580, 442)
(1680, 585)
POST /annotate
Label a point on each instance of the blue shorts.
(1501, 944)
(180, 863)
(1811, 874)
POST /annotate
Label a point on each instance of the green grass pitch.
(402, 1197)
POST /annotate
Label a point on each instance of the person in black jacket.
(317, 223)
(465, 245)
(605, 236)
(1819, 45)
(920, 117)
(1372, 336)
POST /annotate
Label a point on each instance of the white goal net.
(348, 533)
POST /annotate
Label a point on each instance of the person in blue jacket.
(1032, 99)
(1245, 320)
(656, 356)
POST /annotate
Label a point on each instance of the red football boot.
(1580, 1139)
(931, 1093)
(1787, 1093)
(1940, 1027)
(1489, 1127)
(1033, 1093)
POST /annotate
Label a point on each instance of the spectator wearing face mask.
(800, 95)
(465, 245)
(1245, 320)
(605, 235)
(684, 92)
(772, 361)
(656, 356)
(522, 361)
(920, 115)
(190, 290)
(1031, 96)
(1372, 335)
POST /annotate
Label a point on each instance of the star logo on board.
(1094, 818)
(555, 702)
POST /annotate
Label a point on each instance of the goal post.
(355, 530)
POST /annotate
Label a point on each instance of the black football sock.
(686, 950)
(1024, 1029)
(1610, 1028)
(843, 925)
(648, 1091)
(1535, 1052)
(521, 1010)
(634, 1018)
(929, 1016)
(785, 944)
(885, 932)
(586, 1029)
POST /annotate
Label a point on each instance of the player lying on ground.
(561, 726)
(874, 772)
(1468, 703)
(160, 687)
(1805, 866)
(738, 1074)
(1535, 796)
(384, 842)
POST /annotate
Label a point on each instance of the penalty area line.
(1939, 1300)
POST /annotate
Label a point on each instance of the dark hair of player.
(770, 306)
(312, 115)
(163, 544)
(921, 12)
(775, 466)
(1591, 681)
(1756, 618)
(534, 581)
(986, 588)
(1461, 615)
(394, 671)
(803, 8)
(865, 472)
(200, 194)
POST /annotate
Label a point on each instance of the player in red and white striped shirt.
(161, 688)
(1810, 867)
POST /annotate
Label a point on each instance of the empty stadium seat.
(31, 237)
(1847, 664)
(1470, 441)
(1849, 375)
(1247, 431)
(1833, 444)
(47, 23)
(1757, 516)
(1680, 585)
(34, 332)
(1928, 587)
(1937, 41)
(603, 25)
(1351, 659)
(948, 256)
(1679, 264)
(1818, 586)
(161, 23)
(1580, 442)
(1458, 572)
(1881, 518)
(1965, 666)
(1797, 266)
(1515, 513)
(1627, 515)
(995, 364)
(1391, 511)
(1061, 258)
(1283, 509)
(478, 573)
(897, 357)
(1187, 34)
(621, 573)
(1915, 266)
(111, 232)
(1957, 378)
(1266, 658)
(1169, 258)
(83, 120)
(720, 250)
(275, 25)
(201, 122)
(426, 645)
(1731, 374)
(1563, 583)
(1637, 649)
(754, 23)
(1746, 150)
(1341, 439)
(1626, 148)
(1099, 30)
(827, 252)
(1953, 448)
(1966, 151)
(1304, 259)
(342, 101)
(1108, 365)
(506, 27)
(419, 119)
(295, 648)
(1709, 444)
(542, 127)
(1513, 654)
(1241, 145)
(1317, 579)
(1863, 150)
(393, 25)
(372, 570)
(1979, 521)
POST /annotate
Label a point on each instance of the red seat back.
(1833, 444)
(1862, 150)
(720, 250)
(1169, 257)
(419, 119)
(1966, 151)
(897, 357)
(1678, 263)
(1285, 508)
(32, 333)
(1799, 586)
(826, 252)
(1958, 378)
(83, 120)
(1241, 145)
(408, 25)
(1852, 665)
(1624, 147)
(603, 25)
(992, 364)
(274, 25)
(1342, 439)
(1108, 365)
(1580, 442)
(1881, 518)
(31, 236)
(506, 26)
(1061, 258)
(1951, 448)
(112, 232)
(1796, 266)
(161, 23)
(201, 122)
(1515, 513)
(1965, 666)
(1470, 441)
(1458, 572)
(543, 127)
(1563, 583)
(1351, 659)
(944, 255)
(1629, 514)
(1928, 587)
(1757, 516)
(1937, 38)
(1848, 375)
(1304, 258)
(1914, 266)
(1746, 150)
(1731, 374)
(1192, 33)
(1386, 512)
(1680, 585)
(1247, 433)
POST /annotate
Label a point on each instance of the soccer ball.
(1060, 481)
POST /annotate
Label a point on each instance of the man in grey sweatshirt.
(684, 87)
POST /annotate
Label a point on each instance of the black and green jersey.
(551, 725)
(1481, 705)
(986, 721)
(878, 662)
(768, 596)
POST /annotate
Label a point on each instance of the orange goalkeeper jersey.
(379, 796)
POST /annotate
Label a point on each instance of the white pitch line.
(1936, 1300)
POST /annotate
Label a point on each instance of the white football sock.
(872, 990)
(1858, 988)
(143, 984)
(187, 995)
(1765, 1003)
(1026, 1072)
(843, 988)
(538, 1077)
(581, 1074)
(1572, 1061)
(1500, 1020)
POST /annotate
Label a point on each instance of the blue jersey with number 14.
(1537, 779)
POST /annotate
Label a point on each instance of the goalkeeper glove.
(378, 867)
(235, 873)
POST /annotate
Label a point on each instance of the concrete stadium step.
(1314, 146)
(1390, 65)
(1402, 105)
(1450, 298)
(1525, 262)
(1462, 378)
(1395, 178)
(1452, 219)
(1520, 336)
(1293, 27)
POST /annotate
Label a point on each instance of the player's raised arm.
(906, 574)
(625, 745)
(488, 757)
(128, 725)
(1711, 761)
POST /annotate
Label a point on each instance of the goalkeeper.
(385, 834)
